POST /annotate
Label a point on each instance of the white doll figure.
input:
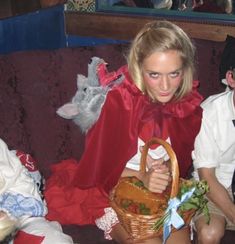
(22, 209)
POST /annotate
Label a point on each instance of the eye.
(175, 74)
(84, 89)
(154, 75)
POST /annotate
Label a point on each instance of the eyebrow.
(177, 70)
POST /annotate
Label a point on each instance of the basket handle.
(173, 161)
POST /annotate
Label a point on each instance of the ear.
(81, 80)
(230, 79)
(68, 111)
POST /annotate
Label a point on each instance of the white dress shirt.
(215, 143)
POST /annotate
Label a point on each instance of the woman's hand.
(158, 176)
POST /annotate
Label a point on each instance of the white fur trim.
(107, 221)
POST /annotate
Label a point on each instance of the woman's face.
(162, 74)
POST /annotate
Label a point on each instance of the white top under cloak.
(158, 153)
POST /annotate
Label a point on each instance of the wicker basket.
(140, 226)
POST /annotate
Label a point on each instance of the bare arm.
(218, 194)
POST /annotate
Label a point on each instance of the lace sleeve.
(107, 221)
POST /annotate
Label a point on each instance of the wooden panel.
(5, 8)
(24, 6)
(10, 8)
(123, 27)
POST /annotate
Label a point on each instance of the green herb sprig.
(197, 201)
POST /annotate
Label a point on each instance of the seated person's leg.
(211, 233)
(121, 236)
(181, 236)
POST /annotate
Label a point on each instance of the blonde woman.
(157, 97)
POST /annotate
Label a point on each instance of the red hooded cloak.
(77, 192)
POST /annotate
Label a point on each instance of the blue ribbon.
(174, 218)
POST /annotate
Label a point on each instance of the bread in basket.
(144, 213)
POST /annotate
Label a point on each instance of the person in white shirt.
(22, 208)
(214, 161)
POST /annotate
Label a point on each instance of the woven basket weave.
(140, 226)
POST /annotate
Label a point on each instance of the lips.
(165, 94)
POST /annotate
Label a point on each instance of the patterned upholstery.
(33, 84)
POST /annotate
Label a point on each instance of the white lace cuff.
(107, 221)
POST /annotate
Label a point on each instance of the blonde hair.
(161, 36)
(7, 226)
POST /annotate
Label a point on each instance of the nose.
(164, 85)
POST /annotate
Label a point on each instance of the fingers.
(158, 180)
(158, 176)
(153, 163)
(161, 168)
(157, 162)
